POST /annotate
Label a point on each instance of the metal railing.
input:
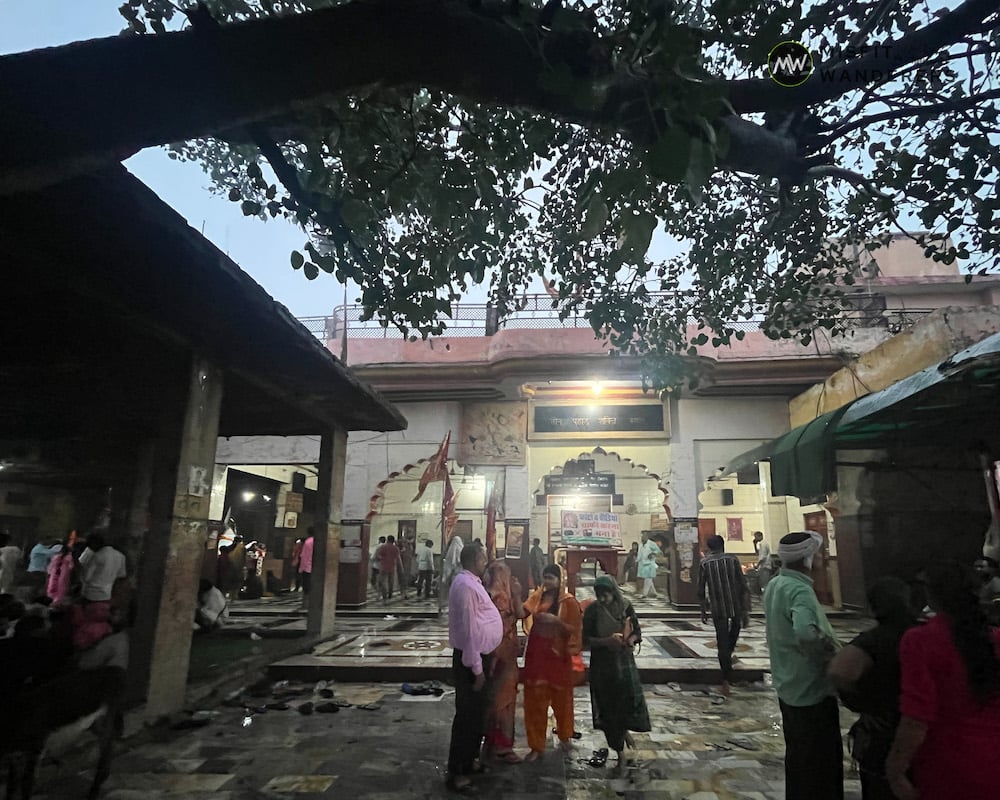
(535, 312)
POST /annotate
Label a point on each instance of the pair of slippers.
(598, 759)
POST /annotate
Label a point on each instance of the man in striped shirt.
(728, 596)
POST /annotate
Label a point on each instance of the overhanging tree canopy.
(428, 144)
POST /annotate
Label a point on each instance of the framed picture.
(494, 434)
(515, 540)
(291, 519)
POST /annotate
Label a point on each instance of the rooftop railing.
(536, 313)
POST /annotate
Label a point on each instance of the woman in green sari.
(611, 629)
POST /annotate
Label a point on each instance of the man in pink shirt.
(474, 631)
(306, 566)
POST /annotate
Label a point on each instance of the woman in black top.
(866, 675)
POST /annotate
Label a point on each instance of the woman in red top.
(946, 742)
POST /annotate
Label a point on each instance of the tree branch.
(915, 111)
(763, 94)
(69, 110)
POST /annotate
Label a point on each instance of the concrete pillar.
(185, 545)
(326, 541)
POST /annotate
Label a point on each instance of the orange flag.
(436, 469)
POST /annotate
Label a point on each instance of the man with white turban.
(801, 643)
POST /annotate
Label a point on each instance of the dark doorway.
(252, 501)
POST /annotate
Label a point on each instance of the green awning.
(947, 404)
(803, 460)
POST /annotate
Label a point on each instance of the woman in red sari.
(555, 635)
(946, 741)
(505, 591)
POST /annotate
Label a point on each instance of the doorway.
(816, 521)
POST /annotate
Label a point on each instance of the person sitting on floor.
(213, 610)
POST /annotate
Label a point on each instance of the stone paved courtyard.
(701, 748)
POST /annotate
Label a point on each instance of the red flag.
(436, 469)
(491, 523)
(448, 514)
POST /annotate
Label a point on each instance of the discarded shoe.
(598, 759)
(306, 709)
(327, 708)
(369, 706)
(277, 706)
(326, 693)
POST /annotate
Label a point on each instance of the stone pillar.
(180, 558)
(326, 540)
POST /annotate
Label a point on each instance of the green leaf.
(250, 208)
(669, 156)
(310, 270)
(297, 259)
(354, 213)
(596, 219)
(701, 164)
(637, 233)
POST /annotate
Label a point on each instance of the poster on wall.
(515, 540)
(494, 433)
(591, 529)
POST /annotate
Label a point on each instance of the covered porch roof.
(108, 293)
(947, 405)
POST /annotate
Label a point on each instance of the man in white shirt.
(425, 567)
(452, 563)
(100, 566)
(212, 607)
(10, 558)
(763, 549)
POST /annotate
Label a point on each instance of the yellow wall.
(931, 340)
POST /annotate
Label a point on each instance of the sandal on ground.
(599, 758)
(510, 757)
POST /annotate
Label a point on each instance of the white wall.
(267, 450)
(708, 432)
(372, 456)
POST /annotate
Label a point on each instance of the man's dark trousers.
(424, 579)
(468, 726)
(727, 631)
(814, 753)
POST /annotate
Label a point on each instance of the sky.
(261, 248)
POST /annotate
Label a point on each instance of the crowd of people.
(65, 606)
(925, 681)
(485, 604)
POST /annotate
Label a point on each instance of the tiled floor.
(675, 645)
(699, 749)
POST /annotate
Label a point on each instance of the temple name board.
(595, 483)
(619, 420)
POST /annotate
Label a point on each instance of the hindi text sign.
(591, 529)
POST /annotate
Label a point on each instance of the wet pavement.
(702, 747)
(366, 740)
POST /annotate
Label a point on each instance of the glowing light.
(596, 387)
(248, 496)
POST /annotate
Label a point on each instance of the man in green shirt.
(801, 644)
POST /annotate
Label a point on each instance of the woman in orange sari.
(505, 591)
(555, 634)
